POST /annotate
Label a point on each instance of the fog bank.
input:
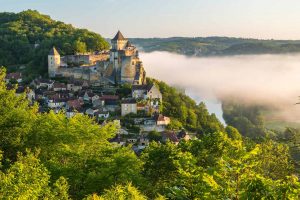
(272, 80)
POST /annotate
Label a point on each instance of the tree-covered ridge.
(49, 156)
(217, 46)
(185, 112)
(27, 37)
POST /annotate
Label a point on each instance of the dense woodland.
(27, 37)
(184, 111)
(48, 156)
(251, 122)
(217, 46)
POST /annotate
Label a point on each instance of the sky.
(263, 19)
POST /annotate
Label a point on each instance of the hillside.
(26, 37)
(217, 46)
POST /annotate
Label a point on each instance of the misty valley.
(88, 117)
(261, 89)
(266, 80)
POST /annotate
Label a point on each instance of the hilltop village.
(109, 86)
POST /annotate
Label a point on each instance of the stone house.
(88, 96)
(128, 106)
(98, 103)
(59, 87)
(74, 86)
(95, 97)
(92, 111)
(149, 91)
(103, 114)
(55, 103)
(74, 104)
(17, 76)
(43, 83)
(162, 120)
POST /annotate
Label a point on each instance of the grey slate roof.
(119, 36)
(142, 87)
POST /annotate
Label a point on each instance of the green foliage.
(159, 166)
(233, 133)
(21, 31)
(220, 164)
(16, 117)
(175, 125)
(79, 47)
(274, 160)
(27, 178)
(78, 149)
(248, 119)
(126, 192)
(185, 112)
(154, 136)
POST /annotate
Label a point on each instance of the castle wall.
(85, 59)
(121, 65)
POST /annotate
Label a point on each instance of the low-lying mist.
(270, 80)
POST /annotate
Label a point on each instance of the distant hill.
(26, 38)
(217, 46)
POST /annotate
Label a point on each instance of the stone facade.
(53, 62)
(121, 65)
(128, 106)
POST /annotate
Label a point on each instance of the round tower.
(53, 62)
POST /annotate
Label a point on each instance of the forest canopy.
(50, 156)
(26, 38)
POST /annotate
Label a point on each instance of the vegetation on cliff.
(185, 112)
(26, 38)
(50, 156)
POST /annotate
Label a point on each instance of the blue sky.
(269, 19)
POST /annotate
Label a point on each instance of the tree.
(79, 47)
(159, 166)
(27, 178)
(174, 125)
(78, 149)
(21, 31)
(16, 119)
(124, 192)
(154, 136)
(274, 160)
(233, 133)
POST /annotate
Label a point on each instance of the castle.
(118, 66)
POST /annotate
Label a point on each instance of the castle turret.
(53, 62)
(119, 42)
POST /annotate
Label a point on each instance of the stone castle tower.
(124, 59)
(118, 44)
(53, 62)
